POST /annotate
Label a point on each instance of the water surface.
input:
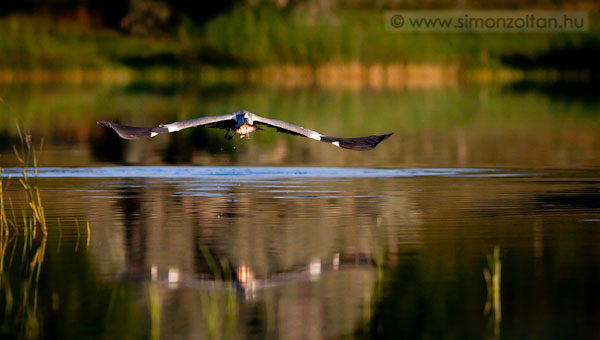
(191, 236)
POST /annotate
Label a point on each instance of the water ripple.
(252, 173)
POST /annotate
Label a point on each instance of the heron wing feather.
(134, 132)
(286, 127)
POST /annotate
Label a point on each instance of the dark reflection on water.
(341, 256)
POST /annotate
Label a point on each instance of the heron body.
(245, 129)
(243, 123)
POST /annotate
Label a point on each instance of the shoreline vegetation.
(393, 76)
(353, 75)
(262, 44)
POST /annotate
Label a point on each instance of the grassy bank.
(255, 37)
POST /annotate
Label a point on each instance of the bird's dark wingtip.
(358, 143)
(128, 132)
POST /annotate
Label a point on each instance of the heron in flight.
(243, 123)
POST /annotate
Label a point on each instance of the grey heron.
(243, 123)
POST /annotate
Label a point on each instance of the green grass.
(21, 313)
(259, 36)
(32, 212)
(37, 42)
(21, 299)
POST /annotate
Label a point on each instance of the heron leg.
(227, 136)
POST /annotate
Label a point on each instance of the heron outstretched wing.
(356, 143)
(132, 132)
(236, 120)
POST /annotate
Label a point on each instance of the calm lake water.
(190, 236)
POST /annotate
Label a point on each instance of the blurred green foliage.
(254, 36)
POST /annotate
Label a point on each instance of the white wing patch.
(171, 127)
(336, 143)
(315, 136)
(152, 134)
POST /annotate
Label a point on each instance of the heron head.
(249, 117)
(244, 113)
(243, 116)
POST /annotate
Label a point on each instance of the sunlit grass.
(33, 213)
(492, 275)
(20, 298)
(153, 296)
